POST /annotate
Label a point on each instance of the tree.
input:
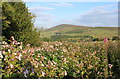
(18, 22)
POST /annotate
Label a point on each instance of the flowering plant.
(55, 59)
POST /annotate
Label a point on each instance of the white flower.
(25, 73)
(110, 66)
(43, 73)
(11, 66)
(42, 64)
(9, 50)
(51, 46)
(65, 73)
(20, 47)
(54, 62)
(1, 56)
(64, 50)
(20, 55)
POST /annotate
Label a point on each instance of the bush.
(17, 21)
(114, 58)
(95, 39)
(115, 38)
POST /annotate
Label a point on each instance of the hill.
(75, 32)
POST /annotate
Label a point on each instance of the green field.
(76, 33)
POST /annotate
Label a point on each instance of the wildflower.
(110, 66)
(55, 68)
(17, 43)
(25, 73)
(3, 46)
(9, 50)
(20, 45)
(28, 45)
(15, 53)
(64, 50)
(51, 46)
(3, 52)
(11, 66)
(31, 50)
(32, 70)
(42, 58)
(4, 42)
(90, 66)
(43, 73)
(1, 56)
(50, 63)
(14, 42)
(105, 40)
(20, 55)
(6, 46)
(12, 38)
(65, 73)
(54, 62)
(42, 64)
(23, 51)
(12, 48)
(11, 59)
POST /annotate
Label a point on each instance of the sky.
(50, 14)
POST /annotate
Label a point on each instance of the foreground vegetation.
(33, 58)
(61, 60)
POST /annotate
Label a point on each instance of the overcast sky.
(50, 14)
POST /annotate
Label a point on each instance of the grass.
(80, 31)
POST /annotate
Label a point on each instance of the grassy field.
(77, 33)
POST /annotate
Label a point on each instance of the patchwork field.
(77, 33)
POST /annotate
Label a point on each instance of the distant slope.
(75, 30)
(67, 28)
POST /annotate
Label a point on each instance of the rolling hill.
(78, 32)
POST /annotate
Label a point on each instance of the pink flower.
(13, 42)
(105, 40)
(23, 51)
(16, 43)
(11, 59)
(12, 48)
(3, 46)
(3, 52)
(31, 50)
(19, 56)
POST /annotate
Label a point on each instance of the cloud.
(44, 17)
(41, 15)
(40, 8)
(63, 4)
(99, 16)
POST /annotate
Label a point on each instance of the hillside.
(78, 32)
